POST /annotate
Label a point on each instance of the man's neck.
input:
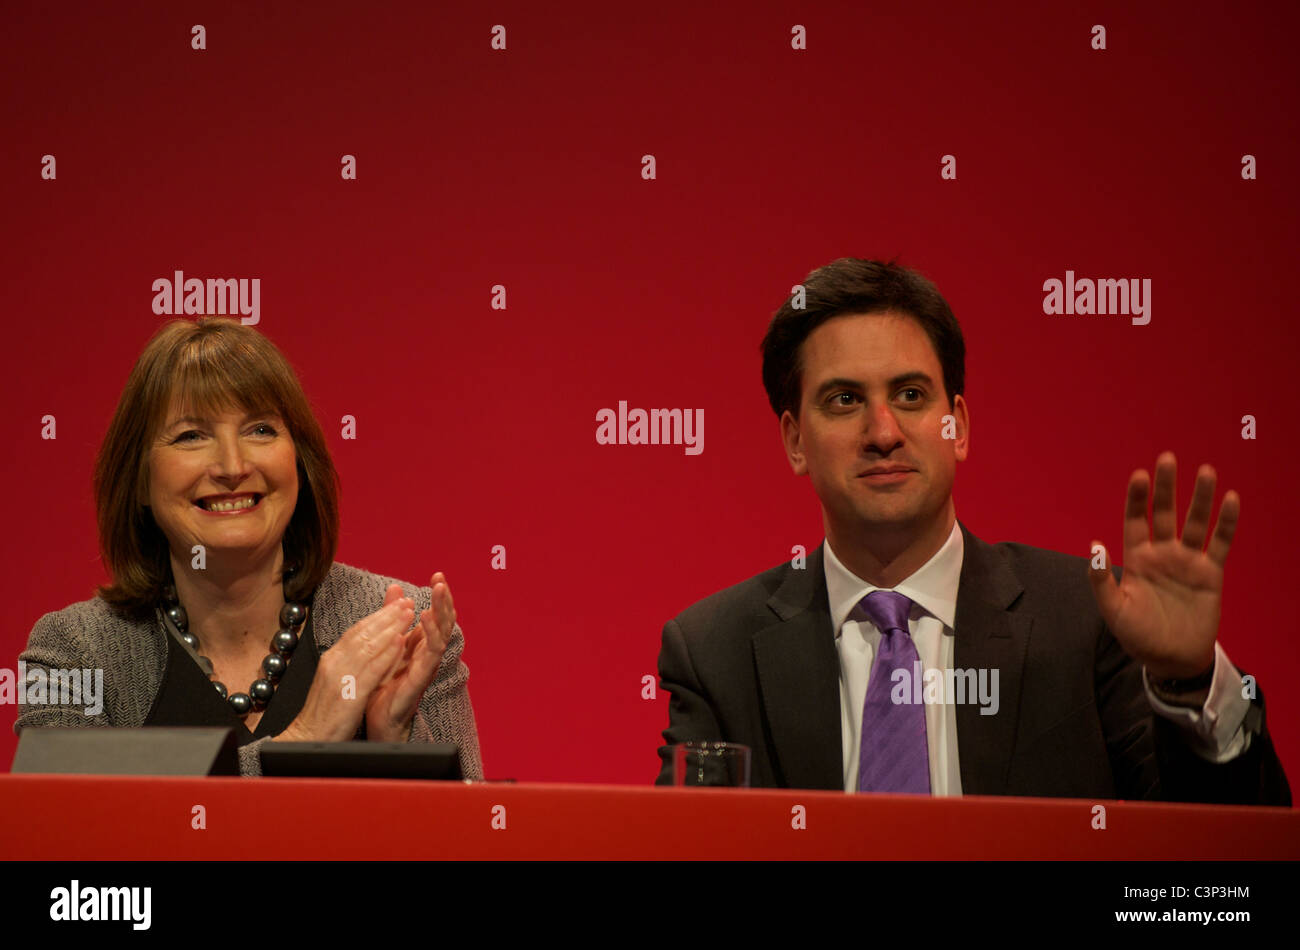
(885, 557)
(231, 603)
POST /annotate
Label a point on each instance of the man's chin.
(876, 522)
(887, 526)
(879, 516)
(902, 524)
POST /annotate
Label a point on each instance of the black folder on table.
(422, 760)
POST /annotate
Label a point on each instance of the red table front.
(63, 817)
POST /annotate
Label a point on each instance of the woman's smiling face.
(226, 480)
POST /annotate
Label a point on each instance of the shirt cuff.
(1217, 730)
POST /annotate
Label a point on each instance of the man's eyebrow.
(915, 376)
(841, 382)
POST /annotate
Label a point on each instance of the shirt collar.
(933, 586)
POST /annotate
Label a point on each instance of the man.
(824, 669)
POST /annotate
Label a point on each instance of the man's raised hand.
(1165, 609)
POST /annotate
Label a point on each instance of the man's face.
(872, 400)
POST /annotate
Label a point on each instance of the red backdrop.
(522, 167)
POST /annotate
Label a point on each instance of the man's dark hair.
(852, 285)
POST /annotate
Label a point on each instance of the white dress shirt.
(1215, 730)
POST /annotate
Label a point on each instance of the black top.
(187, 697)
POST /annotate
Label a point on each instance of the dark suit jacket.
(757, 664)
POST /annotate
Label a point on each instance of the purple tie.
(893, 756)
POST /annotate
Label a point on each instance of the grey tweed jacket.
(133, 656)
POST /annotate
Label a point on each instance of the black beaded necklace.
(292, 616)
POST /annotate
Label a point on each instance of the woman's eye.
(185, 436)
(264, 428)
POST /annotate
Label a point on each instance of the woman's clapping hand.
(392, 704)
(350, 671)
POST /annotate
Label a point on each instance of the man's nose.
(880, 428)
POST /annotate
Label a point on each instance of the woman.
(218, 518)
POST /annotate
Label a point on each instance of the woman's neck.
(231, 605)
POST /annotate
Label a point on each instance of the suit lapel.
(799, 680)
(990, 637)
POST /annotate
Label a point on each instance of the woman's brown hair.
(213, 365)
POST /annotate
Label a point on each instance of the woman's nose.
(230, 459)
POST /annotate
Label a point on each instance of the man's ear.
(792, 438)
(961, 412)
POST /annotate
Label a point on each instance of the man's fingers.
(1225, 528)
(1136, 530)
(1197, 524)
(1164, 514)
